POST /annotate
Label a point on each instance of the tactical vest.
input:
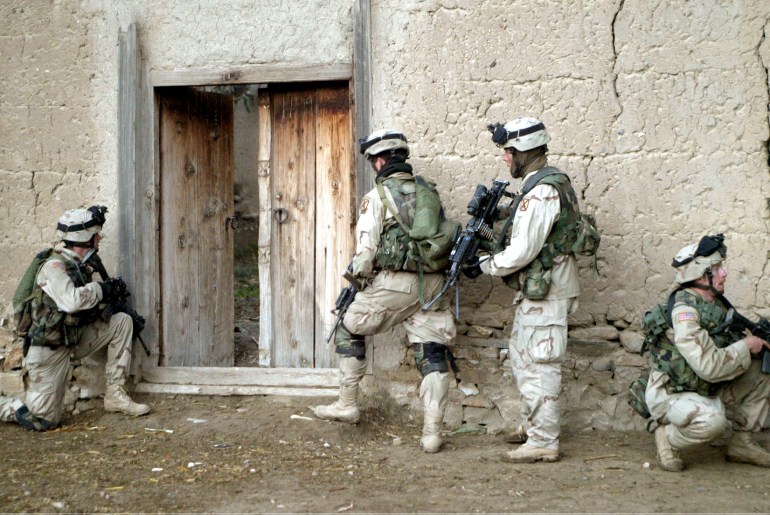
(52, 327)
(534, 280)
(417, 238)
(666, 358)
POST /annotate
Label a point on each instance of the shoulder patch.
(364, 205)
(56, 264)
(683, 317)
(524, 204)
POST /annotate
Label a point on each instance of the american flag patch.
(682, 317)
(59, 265)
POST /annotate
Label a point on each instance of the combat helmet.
(382, 141)
(696, 259)
(521, 134)
(78, 226)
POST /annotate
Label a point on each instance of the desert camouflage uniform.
(392, 297)
(539, 337)
(691, 418)
(48, 369)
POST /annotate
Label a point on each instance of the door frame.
(139, 197)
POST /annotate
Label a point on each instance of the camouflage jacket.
(694, 359)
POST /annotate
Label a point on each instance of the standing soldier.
(395, 285)
(702, 377)
(539, 263)
(65, 324)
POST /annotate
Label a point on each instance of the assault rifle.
(119, 305)
(760, 329)
(344, 300)
(483, 211)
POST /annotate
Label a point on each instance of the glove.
(113, 290)
(472, 269)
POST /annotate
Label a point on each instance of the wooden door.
(312, 216)
(196, 184)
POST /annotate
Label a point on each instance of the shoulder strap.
(529, 184)
(389, 207)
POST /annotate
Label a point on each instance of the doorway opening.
(257, 209)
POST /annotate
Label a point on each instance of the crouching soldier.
(395, 284)
(65, 323)
(703, 378)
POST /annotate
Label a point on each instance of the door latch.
(232, 222)
(280, 214)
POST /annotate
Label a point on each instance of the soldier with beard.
(538, 262)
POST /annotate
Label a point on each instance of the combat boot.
(668, 458)
(744, 449)
(345, 409)
(116, 399)
(518, 436)
(434, 392)
(530, 454)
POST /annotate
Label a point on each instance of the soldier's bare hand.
(756, 344)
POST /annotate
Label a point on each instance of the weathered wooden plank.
(183, 389)
(197, 172)
(128, 91)
(256, 74)
(215, 196)
(244, 376)
(265, 232)
(362, 77)
(334, 191)
(293, 231)
(130, 112)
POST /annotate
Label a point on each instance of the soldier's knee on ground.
(430, 357)
(28, 421)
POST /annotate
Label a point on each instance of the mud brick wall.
(658, 111)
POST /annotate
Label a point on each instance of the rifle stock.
(344, 300)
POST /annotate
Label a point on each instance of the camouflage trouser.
(693, 419)
(49, 369)
(537, 347)
(394, 298)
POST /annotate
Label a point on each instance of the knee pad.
(31, 422)
(431, 357)
(351, 345)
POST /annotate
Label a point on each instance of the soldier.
(702, 374)
(539, 263)
(393, 290)
(65, 324)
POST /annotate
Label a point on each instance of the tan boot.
(345, 408)
(434, 392)
(518, 436)
(668, 458)
(744, 449)
(530, 454)
(116, 399)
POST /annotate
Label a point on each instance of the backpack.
(426, 245)
(22, 298)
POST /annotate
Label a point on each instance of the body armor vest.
(534, 280)
(52, 327)
(666, 358)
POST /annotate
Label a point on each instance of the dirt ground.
(262, 454)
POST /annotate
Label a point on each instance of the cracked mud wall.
(658, 110)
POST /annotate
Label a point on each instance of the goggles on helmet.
(706, 247)
(500, 134)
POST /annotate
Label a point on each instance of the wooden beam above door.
(257, 74)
